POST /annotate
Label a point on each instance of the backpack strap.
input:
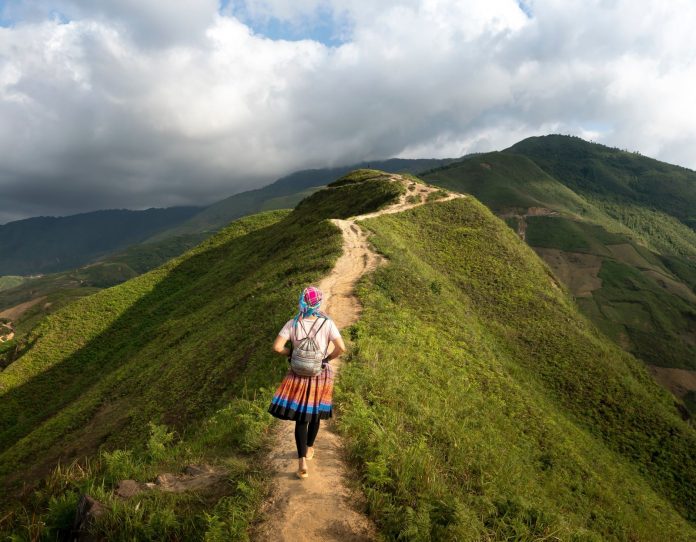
(307, 333)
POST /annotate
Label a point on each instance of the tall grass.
(171, 368)
(479, 405)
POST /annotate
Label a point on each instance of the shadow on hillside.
(177, 296)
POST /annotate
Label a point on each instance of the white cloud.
(158, 103)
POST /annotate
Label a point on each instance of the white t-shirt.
(327, 333)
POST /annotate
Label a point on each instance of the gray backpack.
(306, 356)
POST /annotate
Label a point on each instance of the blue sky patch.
(526, 8)
(320, 26)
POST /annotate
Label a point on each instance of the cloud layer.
(138, 103)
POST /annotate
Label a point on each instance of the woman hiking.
(305, 394)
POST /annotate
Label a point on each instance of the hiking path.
(323, 507)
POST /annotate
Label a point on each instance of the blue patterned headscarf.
(309, 302)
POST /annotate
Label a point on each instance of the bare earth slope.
(322, 507)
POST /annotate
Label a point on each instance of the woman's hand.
(338, 348)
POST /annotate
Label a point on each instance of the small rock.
(127, 488)
(164, 479)
(88, 509)
(198, 470)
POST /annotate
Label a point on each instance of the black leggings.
(305, 433)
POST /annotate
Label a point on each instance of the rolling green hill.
(50, 244)
(285, 193)
(49, 292)
(10, 281)
(615, 175)
(477, 402)
(630, 266)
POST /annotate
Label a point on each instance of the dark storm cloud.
(108, 104)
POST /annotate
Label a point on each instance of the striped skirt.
(304, 398)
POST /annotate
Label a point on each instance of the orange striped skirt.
(304, 398)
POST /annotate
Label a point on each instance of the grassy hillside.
(285, 193)
(50, 244)
(629, 266)
(27, 301)
(10, 281)
(506, 182)
(479, 405)
(185, 347)
(615, 175)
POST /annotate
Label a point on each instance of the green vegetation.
(438, 194)
(184, 347)
(652, 319)
(145, 256)
(358, 176)
(350, 198)
(570, 235)
(49, 244)
(478, 404)
(660, 231)
(615, 175)
(506, 182)
(286, 192)
(54, 291)
(552, 186)
(10, 281)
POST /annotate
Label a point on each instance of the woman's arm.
(279, 346)
(338, 348)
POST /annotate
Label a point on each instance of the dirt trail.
(323, 507)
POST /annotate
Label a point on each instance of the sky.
(154, 103)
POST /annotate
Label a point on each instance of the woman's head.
(310, 301)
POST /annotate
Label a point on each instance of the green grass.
(350, 199)
(630, 305)
(10, 281)
(658, 230)
(507, 182)
(615, 175)
(653, 322)
(60, 289)
(570, 235)
(288, 202)
(54, 244)
(358, 176)
(186, 347)
(477, 404)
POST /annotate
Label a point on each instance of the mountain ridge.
(476, 401)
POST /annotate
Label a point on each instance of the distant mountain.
(285, 193)
(615, 175)
(51, 244)
(607, 223)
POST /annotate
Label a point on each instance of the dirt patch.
(324, 506)
(678, 381)
(521, 218)
(578, 271)
(13, 313)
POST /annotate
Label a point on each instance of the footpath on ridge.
(323, 506)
